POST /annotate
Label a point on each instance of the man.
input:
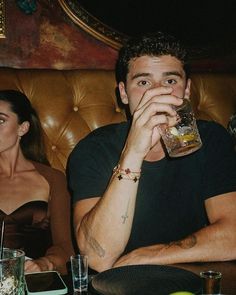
(232, 128)
(132, 203)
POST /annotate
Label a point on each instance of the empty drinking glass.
(79, 269)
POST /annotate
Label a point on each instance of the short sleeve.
(90, 164)
(219, 161)
(88, 170)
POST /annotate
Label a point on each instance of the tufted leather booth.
(71, 103)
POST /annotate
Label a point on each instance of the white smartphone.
(45, 283)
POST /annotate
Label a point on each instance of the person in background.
(132, 203)
(34, 200)
(232, 128)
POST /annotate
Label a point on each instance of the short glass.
(12, 272)
(79, 269)
(211, 282)
(183, 138)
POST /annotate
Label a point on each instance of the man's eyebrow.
(140, 75)
(173, 73)
(165, 74)
(3, 114)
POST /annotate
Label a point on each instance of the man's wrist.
(126, 173)
(129, 159)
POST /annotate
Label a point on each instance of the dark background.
(207, 27)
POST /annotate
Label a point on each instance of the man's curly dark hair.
(153, 44)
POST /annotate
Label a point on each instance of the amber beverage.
(183, 138)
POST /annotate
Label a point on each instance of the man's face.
(147, 72)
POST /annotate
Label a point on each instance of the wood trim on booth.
(91, 24)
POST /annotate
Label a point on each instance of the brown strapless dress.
(22, 232)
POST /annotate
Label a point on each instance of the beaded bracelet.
(126, 174)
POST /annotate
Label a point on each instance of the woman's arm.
(59, 253)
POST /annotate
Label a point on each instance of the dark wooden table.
(228, 270)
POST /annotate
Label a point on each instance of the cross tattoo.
(124, 217)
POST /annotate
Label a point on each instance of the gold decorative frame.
(2, 19)
(91, 24)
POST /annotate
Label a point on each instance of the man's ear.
(187, 89)
(123, 94)
(23, 128)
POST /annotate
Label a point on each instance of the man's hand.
(154, 109)
(142, 255)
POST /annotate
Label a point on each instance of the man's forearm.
(105, 230)
(215, 242)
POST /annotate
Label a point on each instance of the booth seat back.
(72, 103)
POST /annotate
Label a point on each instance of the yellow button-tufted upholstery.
(71, 103)
(214, 96)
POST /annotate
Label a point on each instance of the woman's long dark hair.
(31, 143)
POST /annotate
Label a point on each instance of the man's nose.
(157, 84)
(166, 88)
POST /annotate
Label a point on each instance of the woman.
(34, 201)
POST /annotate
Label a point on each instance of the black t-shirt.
(171, 192)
